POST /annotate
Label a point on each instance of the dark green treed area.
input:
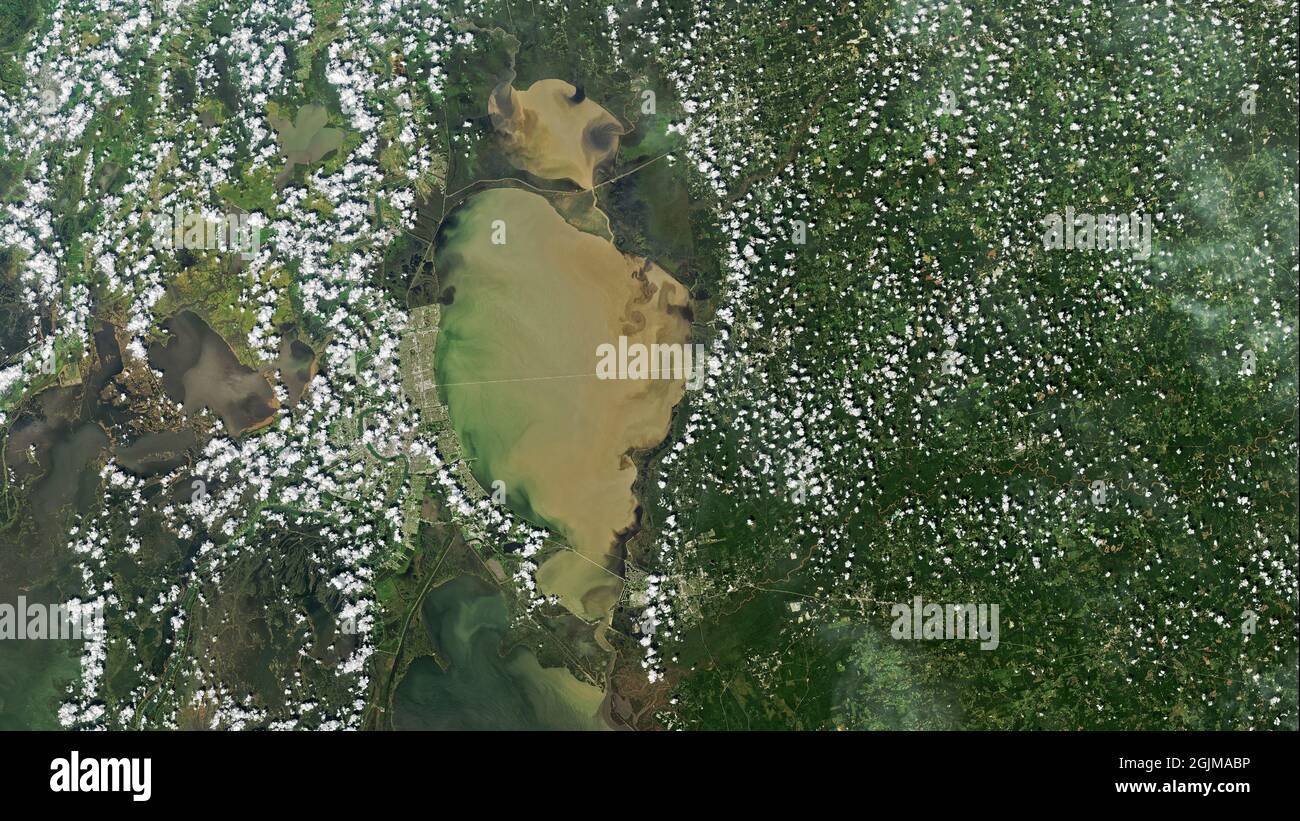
(1074, 368)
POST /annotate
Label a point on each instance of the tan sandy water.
(548, 135)
(516, 361)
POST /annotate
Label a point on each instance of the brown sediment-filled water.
(200, 370)
(553, 132)
(297, 364)
(516, 363)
